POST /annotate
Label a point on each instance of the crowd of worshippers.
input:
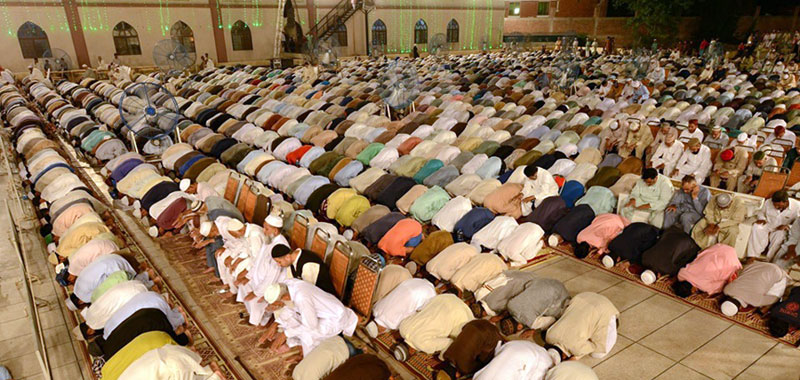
(132, 330)
(492, 165)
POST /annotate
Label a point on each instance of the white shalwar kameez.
(542, 187)
(169, 362)
(402, 302)
(263, 272)
(767, 234)
(313, 316)
(519, 360)
(698, 165)
(668, 156)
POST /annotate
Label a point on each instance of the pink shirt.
(603, 229)
(712, 269)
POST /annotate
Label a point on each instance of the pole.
(366, 29)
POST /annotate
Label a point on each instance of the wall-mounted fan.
(172, 55)
(438, 45)
(57, 60)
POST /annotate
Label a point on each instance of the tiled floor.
(17, 344)
(661, 338)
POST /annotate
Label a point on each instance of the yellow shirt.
(133, 351)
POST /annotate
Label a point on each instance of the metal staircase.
(338, 15)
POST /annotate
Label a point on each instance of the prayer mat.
(752, 320)
(241, 339)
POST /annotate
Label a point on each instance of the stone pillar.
(76, 32)
(219, 32)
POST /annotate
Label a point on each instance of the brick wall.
(575, 8)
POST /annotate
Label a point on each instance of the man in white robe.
(691, 132)
(235, 245)
(112, 300)
(308, 315)
(749, 179)
(538, 185)
(402, 302)
(667, 154)
(772, 224)
(517, 359)
(695, 161)
(170, 362)
(648, 199)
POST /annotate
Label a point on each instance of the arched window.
(241, 37)
(32, 40)
(420, 32)
(126, 39)
(341, 34)
(378, 33)
(182, 33)
(452, 31)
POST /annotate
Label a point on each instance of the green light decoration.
(161, 15)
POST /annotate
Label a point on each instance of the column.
(76, 31)
(219, 32)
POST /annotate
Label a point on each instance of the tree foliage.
(655, 19)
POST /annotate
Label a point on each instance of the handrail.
(36, 323)
(331, 18)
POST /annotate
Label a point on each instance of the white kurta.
(763, 235)
(668, 156)
(698, 165)
(519, 360)
(313, 316)
(101, 309)
(491, 234)
(402, 302)
(522, 244)
(263, 271)
(685, 135)
(542, 187)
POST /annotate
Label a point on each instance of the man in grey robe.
(687, 204)
(534, 301)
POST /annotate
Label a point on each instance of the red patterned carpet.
(241, 339)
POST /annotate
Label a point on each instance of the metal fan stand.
(148, 112)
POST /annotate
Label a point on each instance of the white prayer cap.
(274, 221)
(607, 261)
(274, 292)
(742, 137)
(554, 240)
(614, 125)
(30, 66)
(723, 200)
(234, 225)
(196, 204)
(104, 172)
(205, 228)
(648, 277)
(636, 84)
(729, 308)
(634, 126)
(372, 329)
(184, 184)
(43, 206)
(152, 231)
(348, 234)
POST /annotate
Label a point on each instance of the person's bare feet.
(208, 270)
